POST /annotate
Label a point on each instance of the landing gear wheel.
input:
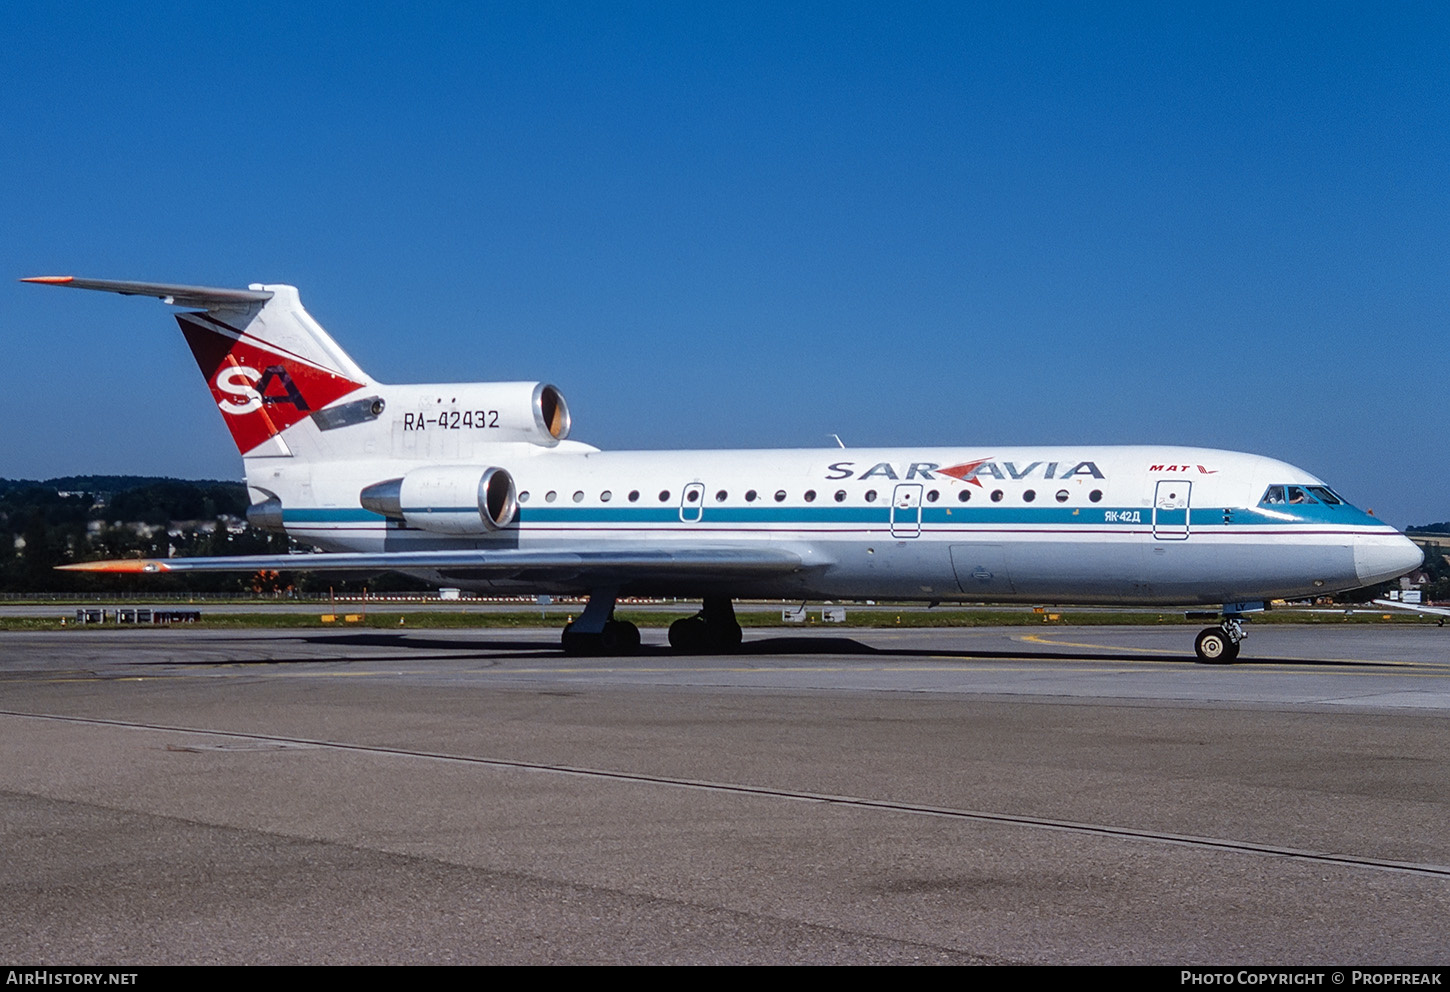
(727, 637)
(689, 635)
(581, 645)
(618, 637)
(1214, 647)
(697, 635)
(578, 644)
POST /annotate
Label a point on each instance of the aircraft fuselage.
(1147, 525)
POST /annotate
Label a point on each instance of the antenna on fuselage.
(839, 442)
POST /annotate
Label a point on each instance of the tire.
(688, 635)
(1214, 647)
(578, 644)
(620, 637)
(696, 635)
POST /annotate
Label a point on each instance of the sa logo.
(245, 390)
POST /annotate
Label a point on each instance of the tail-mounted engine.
(447, 499)
(481, 412)
(536, 411)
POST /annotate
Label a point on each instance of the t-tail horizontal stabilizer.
(182, 296)
(267, 362)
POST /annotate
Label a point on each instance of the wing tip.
(129, 566)
(50, 280)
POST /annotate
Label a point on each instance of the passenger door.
(1171, 510)
(692, 503)
(906, 510)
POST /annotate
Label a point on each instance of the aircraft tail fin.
(267, 362)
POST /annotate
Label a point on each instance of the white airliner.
(477, 485)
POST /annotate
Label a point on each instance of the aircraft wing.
(598, 566)
(1438, 611)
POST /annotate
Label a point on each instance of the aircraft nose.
(1379, 559)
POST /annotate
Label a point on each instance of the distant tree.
(172, 499)
(40, 555)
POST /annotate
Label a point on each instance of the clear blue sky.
(746, 225)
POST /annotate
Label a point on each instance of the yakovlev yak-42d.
(477, 485)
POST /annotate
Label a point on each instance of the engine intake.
(553, 412)
(447, 499)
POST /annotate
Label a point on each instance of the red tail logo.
(261, 391)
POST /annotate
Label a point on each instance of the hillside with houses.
(44, 523)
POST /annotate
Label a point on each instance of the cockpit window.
(1301, 496)
(1298, 496)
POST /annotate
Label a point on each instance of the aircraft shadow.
(413, 646)
(422, 642)
(850, 646)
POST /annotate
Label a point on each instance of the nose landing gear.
(1220, 645)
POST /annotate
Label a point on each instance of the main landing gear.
(596, 631)
(617, 637)
(1220, 645)
(712, 630)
